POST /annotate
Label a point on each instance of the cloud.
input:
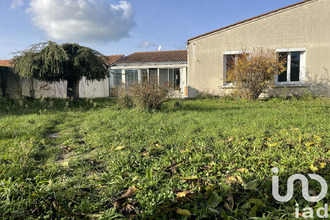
(147, 44)
(16, 3)
(82, 20)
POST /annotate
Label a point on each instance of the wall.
(17, 87)
(87, 89)
(303, 26)
(94, 89)
(43, 89)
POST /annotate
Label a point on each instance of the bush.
(144, 96)
(252, 73)
(124, 98)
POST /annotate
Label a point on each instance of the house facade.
(299, 32)
(161, 67)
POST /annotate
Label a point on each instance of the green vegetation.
(51, 62)
(146, 96)
(254, 72)
(205, 158)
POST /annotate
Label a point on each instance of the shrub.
(144, 96)
(124, 98)
(114, 92)
(252, 73)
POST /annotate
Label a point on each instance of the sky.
(120, 27)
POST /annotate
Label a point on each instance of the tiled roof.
(113, 59)
(250, 19)
(156, 56)
(5, 63)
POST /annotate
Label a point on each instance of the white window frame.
(225, 54)
(302, 68)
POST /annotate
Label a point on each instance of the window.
(163, 77)
(295, 67)
(171, 76)
(230, 60)
(131, 76)
(115, 78)
(229, 64)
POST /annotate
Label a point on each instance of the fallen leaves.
(183, 212)
(125, 203)
(119, 148)
(243, 170)
(308, 144)
(231, 180)
(129, 192)
(323, 165)
(188, 178)
(231, 139)
(184, 193)
(234, 179)
(313, 168)
(272, 144)
(229, 204)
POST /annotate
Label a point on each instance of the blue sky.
(120, 27)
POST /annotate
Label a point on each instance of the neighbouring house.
(160, 66)
(299, 32)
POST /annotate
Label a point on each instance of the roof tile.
(6, 63)
(112, 59)
(156, 56)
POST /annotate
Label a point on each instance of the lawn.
(194, 159)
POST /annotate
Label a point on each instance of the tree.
(52, 63)
(252, 73)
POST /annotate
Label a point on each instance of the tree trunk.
(32, 89)
(73, 88)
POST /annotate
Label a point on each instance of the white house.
(162, 66)
(299, 32)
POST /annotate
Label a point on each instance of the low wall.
(14, 86)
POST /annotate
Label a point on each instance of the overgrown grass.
(209, 158)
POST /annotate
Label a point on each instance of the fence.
(16, 87)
